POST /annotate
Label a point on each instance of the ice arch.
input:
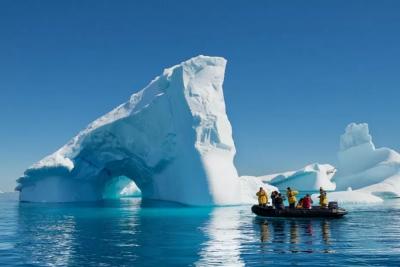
(173, 139)
(120, 187)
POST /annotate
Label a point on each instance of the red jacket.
(307, 201)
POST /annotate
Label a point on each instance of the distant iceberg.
(366, 168)
(364, 174)
(309, 178)
(173, 139)
(350, 197)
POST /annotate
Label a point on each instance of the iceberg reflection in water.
(130, 232)
(223, 232)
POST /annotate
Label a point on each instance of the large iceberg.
(366, 168)
(309, 178)
(173, 139)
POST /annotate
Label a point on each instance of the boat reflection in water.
(326, 233)
(264, 231)
(295, 235)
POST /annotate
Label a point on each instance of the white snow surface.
(173, 139)
(366, 168)
(250, 186)
(350, 197)
(309, 178)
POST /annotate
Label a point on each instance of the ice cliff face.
(173, 139)
(364, 167)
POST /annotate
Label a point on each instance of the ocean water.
(132, 232)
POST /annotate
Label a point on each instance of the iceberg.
(173, 139)
(249, 187)
(373, 173)
(350, 197)
(366, 168)
(309, 178)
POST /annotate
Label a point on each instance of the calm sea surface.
(130, 232)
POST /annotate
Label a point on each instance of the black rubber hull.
(315, 212)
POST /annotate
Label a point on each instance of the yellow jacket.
(323, 200)
(262, 197)
(292, 196)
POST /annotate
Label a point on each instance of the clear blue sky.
(298, 71)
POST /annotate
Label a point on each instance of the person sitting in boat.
(291, 194)
(323, 199)
(262, 197)
(274, 194)
(279, 202)
(307, 202)
(300, 204)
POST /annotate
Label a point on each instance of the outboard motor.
(333, 205)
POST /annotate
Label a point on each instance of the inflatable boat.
(314, 212)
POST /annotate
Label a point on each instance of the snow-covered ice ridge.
(309, 178)
(173, 139)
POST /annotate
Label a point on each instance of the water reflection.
(116, 233)
(291, 235)
(132, 233)
(135, 233)
(264, 231)
(294, 237)
(223, 232)
(279, 235)
(326, 232)
(294, 234)
(72, 235)
(47, 241)
(308, 236)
